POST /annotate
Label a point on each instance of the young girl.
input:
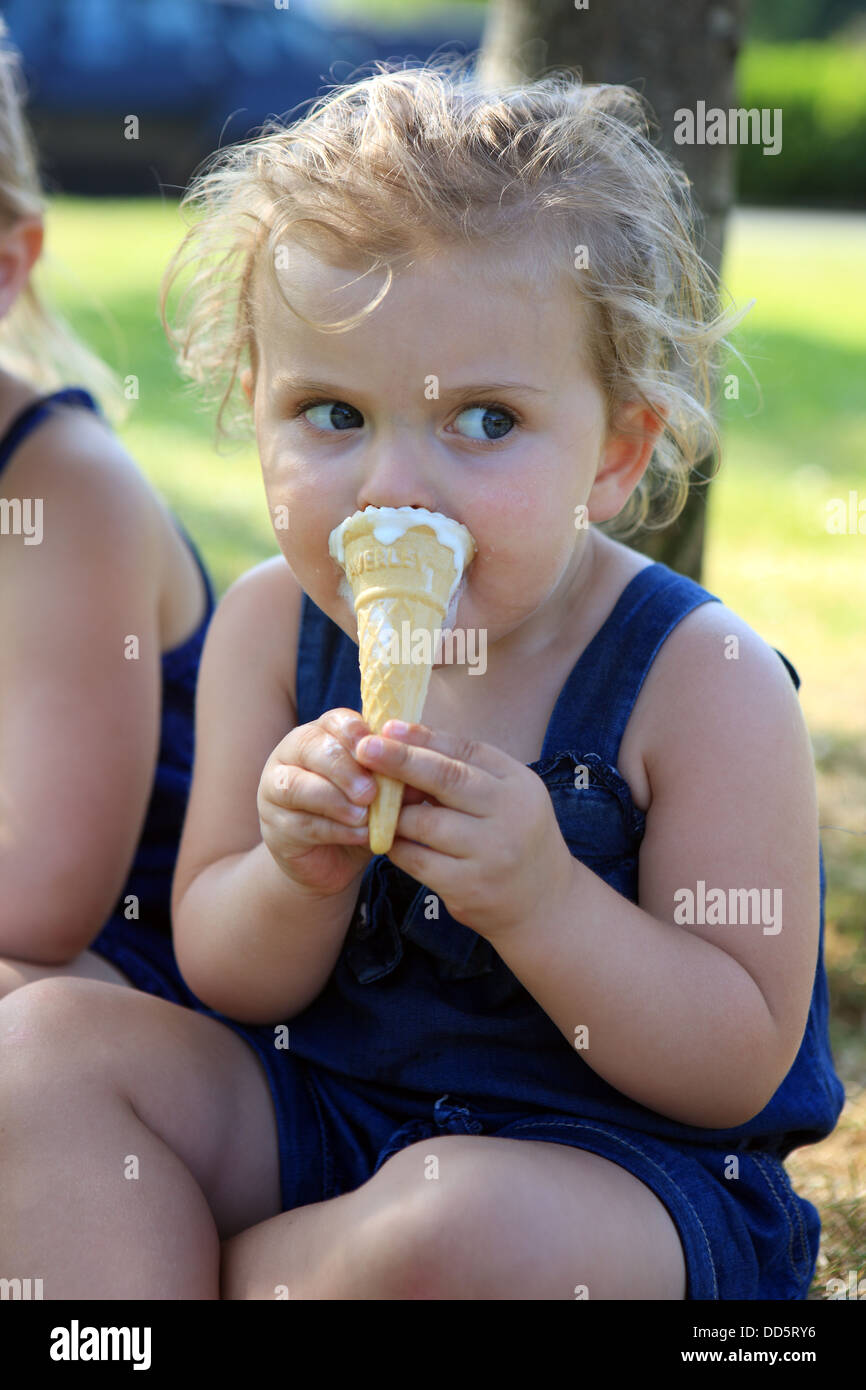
(95, 736)
(526, 1054)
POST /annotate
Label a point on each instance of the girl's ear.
(20, 248)
(626, 455)
(248, 384)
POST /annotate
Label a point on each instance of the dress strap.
(594, 705)
(210, 596)
(33, 414)
(328, 675)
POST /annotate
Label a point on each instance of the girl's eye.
(336, 413)
(495, 420)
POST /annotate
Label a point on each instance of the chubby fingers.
(456, 771)
(314, 769)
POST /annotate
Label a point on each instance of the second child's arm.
(79, 722)
(251, 940)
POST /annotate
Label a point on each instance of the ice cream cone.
(403, 566)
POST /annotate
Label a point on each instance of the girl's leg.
(135, 1135)
(501, 1219)
(87, 966)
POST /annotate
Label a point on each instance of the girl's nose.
(395, 478)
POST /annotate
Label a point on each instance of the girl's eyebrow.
(289, 381)
(486, 388)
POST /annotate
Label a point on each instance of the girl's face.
(466, 392)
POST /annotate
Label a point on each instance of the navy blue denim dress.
(422, 1029)
(136, 936)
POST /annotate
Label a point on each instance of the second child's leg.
(86, 966)
(134, 1136)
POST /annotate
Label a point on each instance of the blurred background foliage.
(200, 73)
(821, 90)
(805, 19)
(768, 19)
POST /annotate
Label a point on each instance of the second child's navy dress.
(137, 935)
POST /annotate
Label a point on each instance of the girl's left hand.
(488, 843)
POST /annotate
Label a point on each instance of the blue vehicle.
(195, 74)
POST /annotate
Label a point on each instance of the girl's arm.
(248, 942)
(698, 1022)
(78, 721)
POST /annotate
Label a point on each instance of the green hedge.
(821, 90)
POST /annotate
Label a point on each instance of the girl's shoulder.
(259, 615)
(715, 682)
(713, 670)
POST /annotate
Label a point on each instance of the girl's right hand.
(312, 802)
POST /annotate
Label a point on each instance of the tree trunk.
(675, 52)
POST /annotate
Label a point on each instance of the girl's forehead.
(484, 276)
(473, 319)
(520, 257)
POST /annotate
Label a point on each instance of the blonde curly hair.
(418, 156)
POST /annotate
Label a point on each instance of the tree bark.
(675, 52)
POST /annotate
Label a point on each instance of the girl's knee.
(426, 1219)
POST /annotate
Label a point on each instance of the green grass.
(786, 453)
(106, 262)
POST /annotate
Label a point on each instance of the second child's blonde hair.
(423, 157)
(36, 342)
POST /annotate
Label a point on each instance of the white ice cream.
(392, 522)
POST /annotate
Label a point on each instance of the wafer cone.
(409, 580)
